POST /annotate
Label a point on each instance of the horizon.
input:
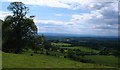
(75, 35)
(90, 17)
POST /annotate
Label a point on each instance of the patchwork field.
(61, 44)
(65, 45)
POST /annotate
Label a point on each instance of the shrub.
(35, 52)
(41, 52)
(47, 53)
(65, 56)
(31, 54)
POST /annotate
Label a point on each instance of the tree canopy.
(18, 30)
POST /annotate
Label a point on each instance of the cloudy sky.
(90, 17)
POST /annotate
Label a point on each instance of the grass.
(85, 49)
(61, 44)
(66, 45)
(42, 61)
(104, 60)
(0, 59)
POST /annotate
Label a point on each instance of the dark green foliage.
(31, 54)
(117, 53)
(18, 31)
(104, 51)
(47, 45)
(71, 54)
(47, 53)
(62, 50)
(77, 51)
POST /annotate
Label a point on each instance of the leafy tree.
(17, 29)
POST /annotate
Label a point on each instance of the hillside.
(42, 61)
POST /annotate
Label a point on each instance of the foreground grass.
(42, 61)
(107, 60)
(0, 59)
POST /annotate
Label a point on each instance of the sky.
(87, 17)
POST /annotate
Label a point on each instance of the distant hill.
(64, 34)
(73, 35)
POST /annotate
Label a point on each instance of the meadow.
(107, 60)
(43, 61)
(66, 45)
(60, 44)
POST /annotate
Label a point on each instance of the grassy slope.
(42, 61)
(105, 60)
(0, 59)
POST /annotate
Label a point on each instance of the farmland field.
(61, 44)
(82, 49)
(66, 45)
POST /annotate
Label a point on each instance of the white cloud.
(49, 3)
(69, 4)
(86, 16)
(3, 14)
(58, 15)
(102, 16)
(54, 22)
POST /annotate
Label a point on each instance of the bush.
(65, 56)
(84, 60)
(70, 54)
(31, 54)
(41, 52)
(47, 53)
(35, 52)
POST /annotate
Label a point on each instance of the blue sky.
(90, 17)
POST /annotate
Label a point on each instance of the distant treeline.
(92, 42)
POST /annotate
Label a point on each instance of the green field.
(42, 61)
(61, 44)
(104, 60)
(85, 49)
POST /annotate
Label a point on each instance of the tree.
(104, 51)
(17, 29)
